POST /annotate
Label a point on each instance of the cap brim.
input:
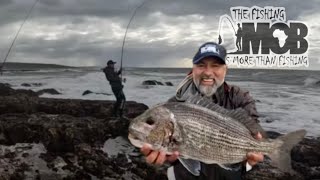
(209, 55)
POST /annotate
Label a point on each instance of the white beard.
(208, 91)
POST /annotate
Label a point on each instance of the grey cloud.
(74, 14)
(5, 2)
(50, 2)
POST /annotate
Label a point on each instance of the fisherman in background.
(208, 79)
(116, 85)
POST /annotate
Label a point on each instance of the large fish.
(203, 131)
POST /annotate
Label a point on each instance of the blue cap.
(210, 49)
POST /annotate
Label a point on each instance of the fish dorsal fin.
(238, 114)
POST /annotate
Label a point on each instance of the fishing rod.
(16, 36)
(220, 25)
(125, 34)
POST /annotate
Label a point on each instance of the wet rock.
(269, 120)
(149, 82)
(60, 133)
(26, 85)
(306, 158)
(159, 83)
(48, 91)
(154, 82)
(20, 103)
(31, 84)
(94, 108)
(6, 90)
(86, 92)
(37, 84)
(71, 134)
(26, 92)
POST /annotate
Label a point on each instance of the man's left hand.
(255, 157)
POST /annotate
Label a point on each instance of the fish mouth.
(135, 140)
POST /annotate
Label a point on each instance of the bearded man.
(208, 79)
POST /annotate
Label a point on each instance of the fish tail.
(281, 157)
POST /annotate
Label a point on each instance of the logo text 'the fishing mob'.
(263, 38)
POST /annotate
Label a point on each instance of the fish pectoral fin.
(231, 167)
(191, 165)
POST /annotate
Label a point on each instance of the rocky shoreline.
(44, 138)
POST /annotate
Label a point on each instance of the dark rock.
(26, 92)
(155, 82)
(32, 84)
(159, 83)
(48, 91)
(25, 155)
(20, 103)
(79, 175)
(73, 132)
(273, 135)
(6, 90)
(90, 92)
(5, 84)
(152, 82)
(86, 92)
(60, 133)
(149, 82)
(37, 84)
(265, 171)
(10, 155)
(98, 109)
(269, 120)
(26, 85)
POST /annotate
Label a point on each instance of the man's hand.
(254, 157)
(157, 157)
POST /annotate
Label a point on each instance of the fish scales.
(236, 127)
(207, 122)
(213, 136)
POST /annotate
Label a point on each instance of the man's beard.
(208, 90)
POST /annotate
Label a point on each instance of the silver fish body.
(208, 134)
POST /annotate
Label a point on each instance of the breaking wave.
(311, 81)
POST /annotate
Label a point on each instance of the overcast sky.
(164, 33)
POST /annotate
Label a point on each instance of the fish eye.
(150, 121)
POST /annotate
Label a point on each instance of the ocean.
(286, 99)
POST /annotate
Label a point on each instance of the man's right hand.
(254, 158)
(157, 157)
